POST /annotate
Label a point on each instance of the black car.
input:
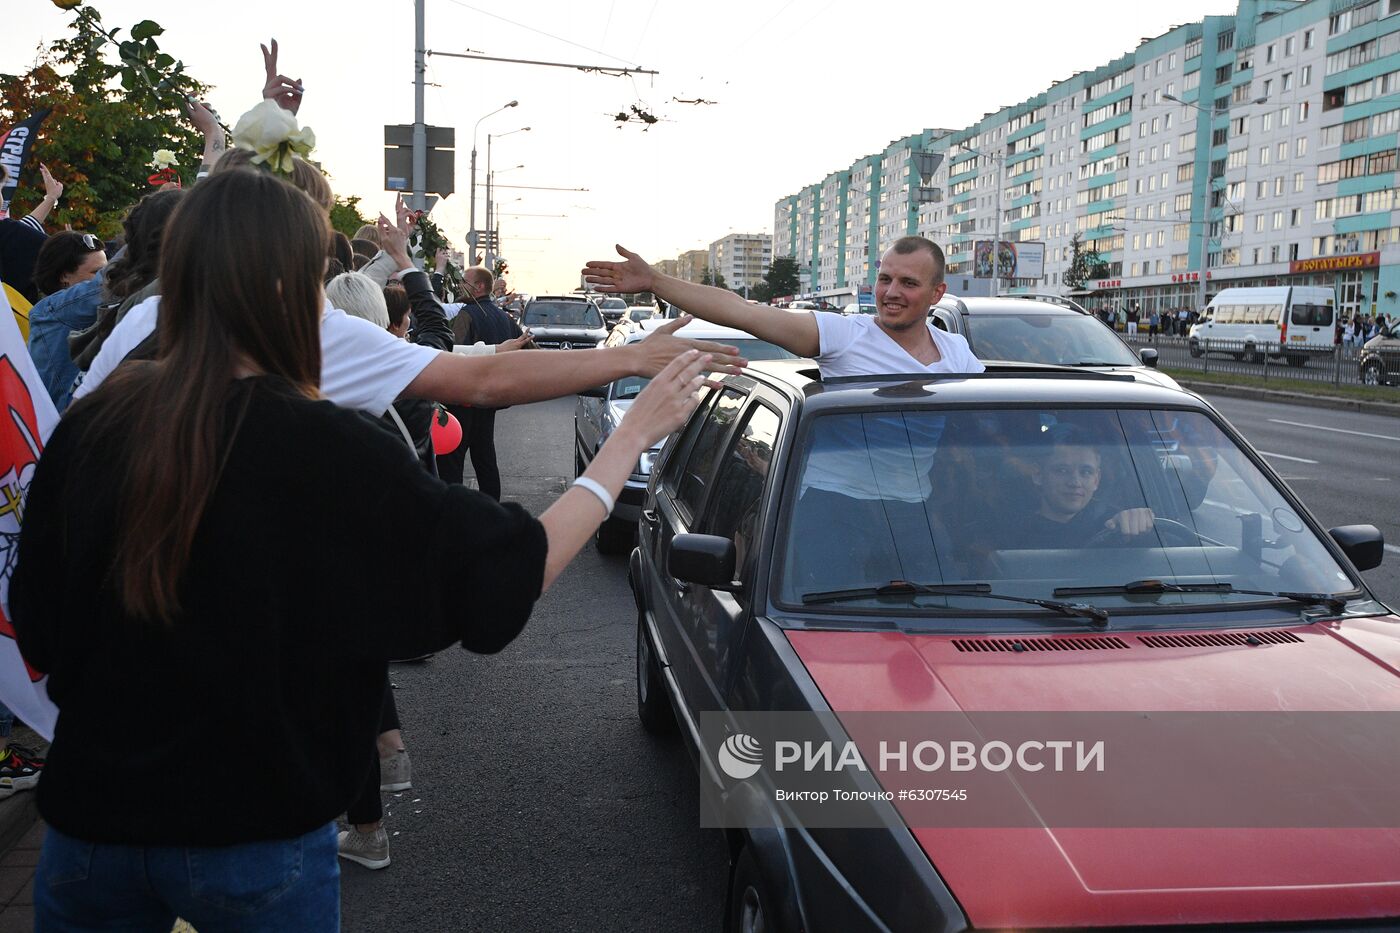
(873, 545)
(612, 309)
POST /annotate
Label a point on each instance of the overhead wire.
(541, 32)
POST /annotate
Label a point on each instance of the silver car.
(599, 411)
(564, 322)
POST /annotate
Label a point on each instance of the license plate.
(1297, 339)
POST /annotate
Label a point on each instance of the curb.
(1389, 409)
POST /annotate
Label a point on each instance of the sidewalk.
(21, 835)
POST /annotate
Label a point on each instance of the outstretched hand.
(667, 401)
(662, 346)
(203, 117)
(393, 240)
(286, 92)
(633, 275)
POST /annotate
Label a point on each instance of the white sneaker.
(369, 849)
(395, 772)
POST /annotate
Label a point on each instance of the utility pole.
(419, 199)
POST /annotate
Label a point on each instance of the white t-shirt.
(856, 345)
(362, 366)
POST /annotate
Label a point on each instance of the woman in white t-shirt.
(898, 338)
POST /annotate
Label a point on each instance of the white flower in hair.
(163, 158)
(273, 136)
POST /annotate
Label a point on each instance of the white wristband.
(597, 489)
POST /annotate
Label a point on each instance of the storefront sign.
(1186, 277)
(1335, 263)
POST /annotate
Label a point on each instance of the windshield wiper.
(903, 588)
(1332, 602)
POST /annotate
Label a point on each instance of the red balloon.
(447, 432)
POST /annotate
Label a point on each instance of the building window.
(1171, 61)
(1297, 182)
(1225, 41)
(1269, 55)
(1308, 39)
(1193, 48)
(1222, 74)
(1303, 109)
(1300, 147)
(1286, 82)
(1288, 47)
(1305, 76)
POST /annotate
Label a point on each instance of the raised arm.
(497, 380)
(794, 332)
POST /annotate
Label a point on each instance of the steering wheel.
(1171, 532)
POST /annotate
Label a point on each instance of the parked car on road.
(598, 412)
(1044, 332)
(612, 308)
(1379, 362)
(1281, 321)
(856, 308)
(564, 322)
(870, 546)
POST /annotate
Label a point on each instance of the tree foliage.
(712, 277)
(1084, 264)
(780, 280)
(112, 109)
(346, 217)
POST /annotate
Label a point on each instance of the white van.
(1287, 320)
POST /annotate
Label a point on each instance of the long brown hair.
(240, 275)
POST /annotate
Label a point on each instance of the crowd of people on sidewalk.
(1132, 320)
(238, 387)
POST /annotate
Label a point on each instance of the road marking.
(1392, 549)
(1287, 457)
(1321, 427)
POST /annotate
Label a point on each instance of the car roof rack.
(1053, 299)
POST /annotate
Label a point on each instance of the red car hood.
(1041, 877)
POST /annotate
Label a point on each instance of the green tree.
(780, 280)
(109, 117)
(715, 278)
(346, 217)
(1084, 264)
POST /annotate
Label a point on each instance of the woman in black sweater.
(193, 553)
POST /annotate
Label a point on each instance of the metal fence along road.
(1342, 364)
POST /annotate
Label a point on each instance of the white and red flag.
(27, 418)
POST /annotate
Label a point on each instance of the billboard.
(1015, 260)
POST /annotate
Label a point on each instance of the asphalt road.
(538, 801)
(1345, 467)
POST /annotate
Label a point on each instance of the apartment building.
(691, 264)
(742, 258)
(1257, 148)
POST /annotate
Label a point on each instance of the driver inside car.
(1070, 513)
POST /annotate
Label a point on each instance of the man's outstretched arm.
(794, 332)
(497, 380)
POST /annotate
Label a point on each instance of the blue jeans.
(289, 884)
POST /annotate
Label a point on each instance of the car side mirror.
(704, 559)
(597, 392)
(1364, 545)
(1148, 357)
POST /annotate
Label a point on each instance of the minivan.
(1291, 321)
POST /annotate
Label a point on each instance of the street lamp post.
(1211, 113)
(489, 137)
(471, 231)
(998, 163)
(493, 219)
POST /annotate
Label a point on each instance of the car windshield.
(1070, 339)
(1032, 502)
(750, 348)
(562, 314)
(642, 314)
(613, 304)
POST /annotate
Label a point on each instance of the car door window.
(677, 448)
(739, 483)
(699, 466)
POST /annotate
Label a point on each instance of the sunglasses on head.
(92, 242)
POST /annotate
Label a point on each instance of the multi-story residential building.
(691, 264)
(742, 259)
(1255, 148)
